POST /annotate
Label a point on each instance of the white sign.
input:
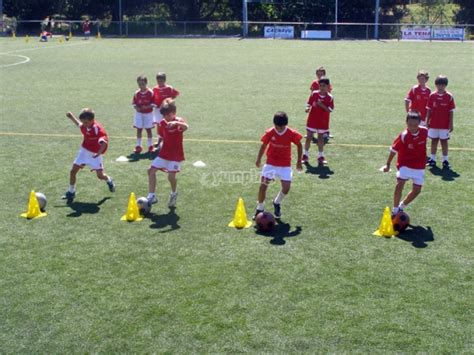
(279, 32)
(416, 33)
(448, 33)
(316, 34)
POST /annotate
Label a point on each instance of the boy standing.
(93, 146)
(410, 146)
(171, 155)
(278, 140)
(161, 92)
(320, 72)
(439, 119)
(417, 97)
(143, 104)
(319, 106)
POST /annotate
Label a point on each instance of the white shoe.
(172, 199)
(152, 200)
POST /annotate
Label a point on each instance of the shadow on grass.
(84, 207)
(446, 174)
(161, 221)
(281, 231)
(323, 172)
(134, 157)
(418, 236)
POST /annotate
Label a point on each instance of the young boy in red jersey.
(93, 146)
(143, 103)
(171, 154)
(439, 119)
(417, 97)
(278, 140)
(410, 146)
(320, 72)
(161, 92)
(319, 106)
(86, 28)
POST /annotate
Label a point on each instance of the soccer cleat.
(446, 165)
(151, 149)
(256, 214)
(138, 149)
(69, 196)
(431, 162)
(111, 185)
(152, 200)
(305, 158)
(172, 200)
(322, 161)
(277, 210)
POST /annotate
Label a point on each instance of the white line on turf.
(24, 57)
(46, 47)
(199, 140)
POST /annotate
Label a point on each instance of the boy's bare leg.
(321, 142)
(309, 139)
(397, 195)
(434, 146)
(173, 181)
(149, 135)
(415, 191)
(101, 175)
(444, 148)
(151, 197)
(73, 174)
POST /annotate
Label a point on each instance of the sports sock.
(401, 206)
(151, 195)
(260, 206)
(306, 152)
(149, 141)
(433, 156)
(395, 210)
(72, 188)
(320, 154)
(445, 158)
(139, 142)
(279, 198)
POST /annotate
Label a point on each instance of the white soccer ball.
(143, 206)
(42, 200)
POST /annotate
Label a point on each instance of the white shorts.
(143, 120)
(157, 116)
(314, 130)
(417, 175)
(167, 166)
(85, 157)
(87, 33)
(442, 134)
(284, 173)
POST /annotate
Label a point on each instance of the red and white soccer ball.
(400, 221)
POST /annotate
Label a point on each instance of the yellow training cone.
(13, 34)
(70, 35)
(34, 210)
(132, 213)
(386, 225)
(98, 35)
(240, 216)
(27, 38)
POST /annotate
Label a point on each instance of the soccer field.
(81, 280)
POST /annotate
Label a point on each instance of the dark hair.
(423, 73)
(280, 118)
(321, 69)
(142, 78)
(413, 115)
(441, 80)
(87, 114)
(324, 80)
(168, 106)
(161, 76)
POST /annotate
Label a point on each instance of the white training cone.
(199, 164)
(122, 159)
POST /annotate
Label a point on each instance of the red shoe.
(305, 158)
(151, 149)
(138, 149)
(322, 161)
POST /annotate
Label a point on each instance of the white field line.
(48, 47)
(24, 57)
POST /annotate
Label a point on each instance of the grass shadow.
(161, 221)
(323, 172)
(418, 236)
(134, 157)
(446, 174)
(80, 208)
(281, 231)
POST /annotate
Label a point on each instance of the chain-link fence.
(296, 30)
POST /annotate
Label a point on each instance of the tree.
(466, 11)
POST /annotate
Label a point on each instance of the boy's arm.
(181, 124)
(386, 168)
(451, 121)
(103, 145)
(407, 105)
(73, 118)
(260, 155)
(428, 117)
(299, 166)
(323, 106)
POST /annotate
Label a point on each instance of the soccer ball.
(42, 200)
(400, 221)
(265, 222)
(144, 207)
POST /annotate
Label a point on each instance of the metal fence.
(356, 31)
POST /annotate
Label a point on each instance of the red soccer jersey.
(315, 86)
(93, 137)
(279, 145)
(143, 100)
(418, 99)
(86, 26)
(172, 148)
(411, 149)
(163, 93)
(440, 105)
(319, 118)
